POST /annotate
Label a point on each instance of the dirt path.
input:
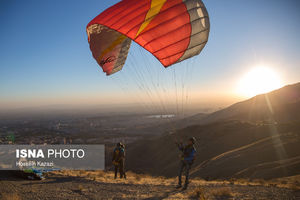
(98, 186)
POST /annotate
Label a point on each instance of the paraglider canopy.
(171, 30)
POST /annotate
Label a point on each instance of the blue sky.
(45, 57)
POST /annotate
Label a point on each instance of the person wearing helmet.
(118, 160)
(187, 159)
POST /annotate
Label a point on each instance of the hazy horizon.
(45, 58)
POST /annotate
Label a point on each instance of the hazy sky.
(45, 57)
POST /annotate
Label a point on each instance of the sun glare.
(257, 81)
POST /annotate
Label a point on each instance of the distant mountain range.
(256, 138)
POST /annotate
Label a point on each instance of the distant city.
(80, 130)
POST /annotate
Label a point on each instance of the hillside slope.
(224, 150)
(280, 105)
(257, 138)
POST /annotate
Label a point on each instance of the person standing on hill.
(118, 160)
(187, 159)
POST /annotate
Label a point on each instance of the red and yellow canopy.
(172, 30)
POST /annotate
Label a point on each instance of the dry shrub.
(81, 172)
(292, 184)
(272, 184)
(82, 188)
(197, 193)
(294, 187)
(199, 179)
(177, 196)
(100, 173)
(243, 181)
(162, 178)
(138, 177)
(159, 180)
(260, 181)
(6, 196)
(130, 174)
(224, 192)
(232, 181)
(284, 182)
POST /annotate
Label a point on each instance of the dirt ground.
(83, 185)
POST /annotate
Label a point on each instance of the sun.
(257, 81)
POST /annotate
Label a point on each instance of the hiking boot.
(184, 187)
(178, 186)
